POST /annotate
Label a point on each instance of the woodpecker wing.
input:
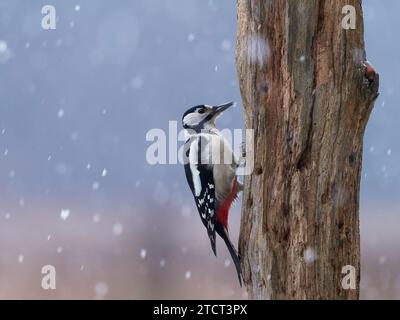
(201, 181)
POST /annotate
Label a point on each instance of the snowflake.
(137, 83)
(163, 262)
(226, 45)
(65, 214)
(60, 113)
(117, 229)
(309, 255)
(101, 289)
(227, 263)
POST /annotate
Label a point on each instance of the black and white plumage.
(201, 182)
(210, 169)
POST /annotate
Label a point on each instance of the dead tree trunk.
(308, 93)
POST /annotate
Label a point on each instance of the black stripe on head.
(206, 119)
(192, 110)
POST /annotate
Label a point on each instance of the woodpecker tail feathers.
(213, 244)
(235, 257)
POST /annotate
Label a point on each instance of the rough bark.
(308, 96)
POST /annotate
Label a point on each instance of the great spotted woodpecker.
(210, 169)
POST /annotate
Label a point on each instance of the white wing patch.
(194, 148)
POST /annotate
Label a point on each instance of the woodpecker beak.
(217, 110)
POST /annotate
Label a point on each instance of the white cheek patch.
(194, 118)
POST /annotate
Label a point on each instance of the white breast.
(217, 153)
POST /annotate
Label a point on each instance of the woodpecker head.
(203, 116)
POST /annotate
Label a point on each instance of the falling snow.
(21, 258)
(59, 42)
(163, 262)
(143, 253)
(186, 211)
(60, 113)
(3, 46)
(257, 50)
(65, 214)
(117, 229)
(309, 255)
(371, 149)
(226, 45)
(5, 52)
(161, 194)
(137, 83)
(101, 289)
(188, 275)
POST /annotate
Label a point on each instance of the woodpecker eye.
(201, 111)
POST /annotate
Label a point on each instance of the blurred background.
(76, 190)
